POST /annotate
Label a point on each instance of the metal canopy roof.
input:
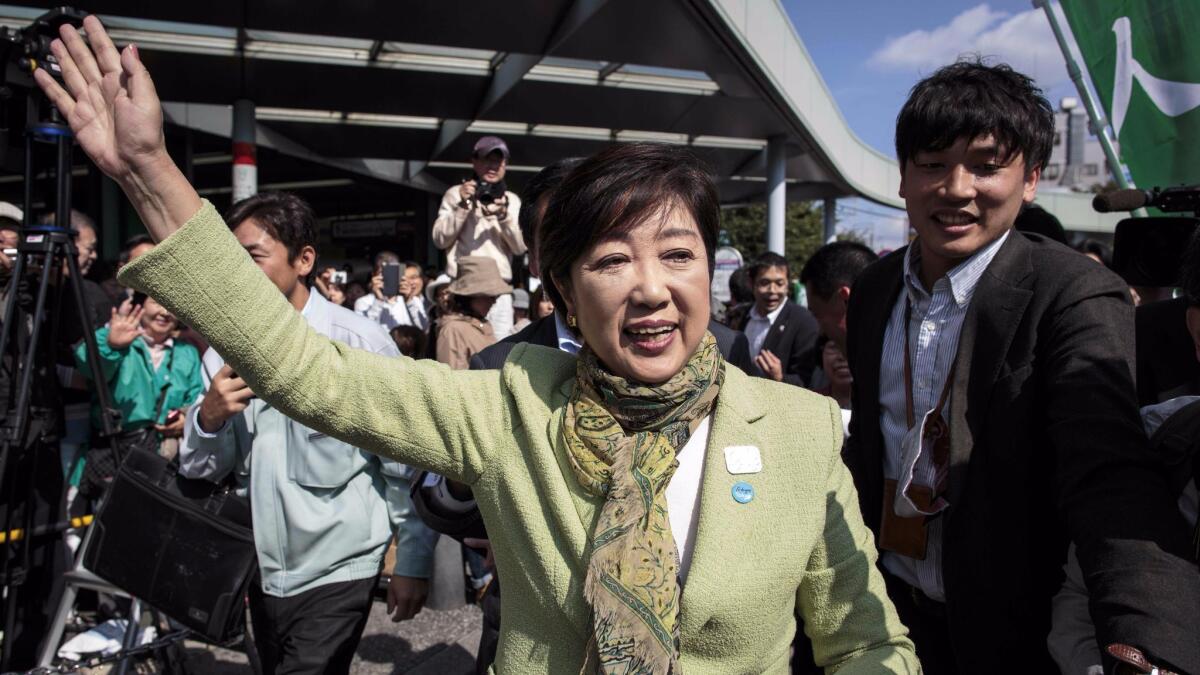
(388, 93)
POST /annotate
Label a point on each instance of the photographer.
(479, 218)
(401, 306)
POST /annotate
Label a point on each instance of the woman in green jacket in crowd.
(142, 364)
(651, 511)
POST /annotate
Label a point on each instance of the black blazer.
(793, 338)
(1046, 446)
(733, 345)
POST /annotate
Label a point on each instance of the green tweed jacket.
(798, 546)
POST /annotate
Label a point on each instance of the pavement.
(435, 642)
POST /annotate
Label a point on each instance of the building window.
(1058, 138)
(1051, 172)
(1091, 170)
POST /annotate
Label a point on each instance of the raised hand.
(111, 105)
(125, 325)
(109, 100)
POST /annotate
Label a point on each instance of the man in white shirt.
(479, 218)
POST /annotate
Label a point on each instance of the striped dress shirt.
(934, 327)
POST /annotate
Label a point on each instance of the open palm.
(109, 100)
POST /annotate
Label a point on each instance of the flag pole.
(1120, 172)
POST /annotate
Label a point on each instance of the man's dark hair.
(1189, 271)
(383, 257)
(765, 261)
(410, 340)
(1097, 248)
(542, 183)
(835, 265)
(413, 263)
(130, 244)
(740, 288)
(1037, 220)
(614, 191)
(970, 99)
(285, 216)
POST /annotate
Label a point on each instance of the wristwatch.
(1131, 661)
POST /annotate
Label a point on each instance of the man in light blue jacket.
(324, 511)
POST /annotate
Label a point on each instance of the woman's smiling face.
(641, 297)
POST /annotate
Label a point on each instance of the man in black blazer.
(995, 412)
(782, 335)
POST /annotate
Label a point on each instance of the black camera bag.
(183, 546)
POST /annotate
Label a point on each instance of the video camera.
(28, 49)
(1149, 251)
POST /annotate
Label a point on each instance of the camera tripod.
(29, 338)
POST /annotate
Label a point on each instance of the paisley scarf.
(621, 438)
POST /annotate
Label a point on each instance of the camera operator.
(479, 218)
(1173, 426)
(323, 510)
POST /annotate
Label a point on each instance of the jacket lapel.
(778, 328)
(736, 410)
(869, 329)
(988, 329)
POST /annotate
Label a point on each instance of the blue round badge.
(743, 492)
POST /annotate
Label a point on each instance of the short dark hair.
(1037, 220)
(740, 288)
(385, 257)
(616, 190)
(835, 265)
(542, 183)
(130, 244)
(285, 216)
(970, 99)
(1189, 271)
(766, 260)
(1097, 248)
(410, 340)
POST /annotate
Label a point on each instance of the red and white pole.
(245, 164)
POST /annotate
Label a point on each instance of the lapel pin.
(743, 459)
(743, 492)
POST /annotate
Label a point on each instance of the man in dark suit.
(995, 413)
(782, 334)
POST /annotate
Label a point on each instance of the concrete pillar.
(829, 209)
(776, 193)
(245, 164)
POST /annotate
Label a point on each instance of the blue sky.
(870, 52)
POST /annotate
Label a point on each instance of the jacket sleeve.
(510, 231)
(414, 541)
(416, 412)
(803, 357)
(193, 387)
(207, 456)
(449, 221)
(842, 600)
(110, 359)
(1111, 490)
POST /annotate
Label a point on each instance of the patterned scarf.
(621, 439)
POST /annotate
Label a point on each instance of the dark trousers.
(314, 632)
(489, 637)
(928, 626)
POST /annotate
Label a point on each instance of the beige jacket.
(477, 231)
(460, 337)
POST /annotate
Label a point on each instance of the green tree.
(804, 231)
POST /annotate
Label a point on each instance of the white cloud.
(1023, 40)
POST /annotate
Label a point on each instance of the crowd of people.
(936, 464)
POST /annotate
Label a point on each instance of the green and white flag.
(1144, 59)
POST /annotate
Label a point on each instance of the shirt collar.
(567, 341)
(316, 312)
(770, 318)
(963, 278)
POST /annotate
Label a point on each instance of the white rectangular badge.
(743, 459)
